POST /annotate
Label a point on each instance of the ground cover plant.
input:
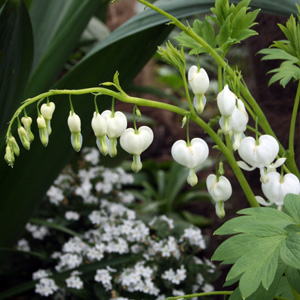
(264, 248)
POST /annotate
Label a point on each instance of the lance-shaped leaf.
(16, 55)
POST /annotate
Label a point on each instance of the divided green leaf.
(233, 24)
(287, 50)
(263, 238)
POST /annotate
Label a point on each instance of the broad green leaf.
(292, 206)
(16, 55)
(55, 23)
(259, 265)
(290, 250)
(261, 292)
(265, 237)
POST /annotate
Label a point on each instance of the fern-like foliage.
(232, 24)
(287, 50)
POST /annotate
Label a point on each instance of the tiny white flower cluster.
(37, 232)
(46, 287)
(194, 237)
(112, 230)
(74, 281)
(175, 276)
(23, 245)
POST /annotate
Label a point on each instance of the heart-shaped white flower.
(261, 155)
(220, 191)
(277, 187)
(191, 156)
(136, 142)
(47, 110)
(100, 130)
(115, 125)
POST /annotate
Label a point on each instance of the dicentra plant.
(265, 247)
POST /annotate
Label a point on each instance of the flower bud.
(24, 137)
(27, 125)
(44, 137)
(47, 110)
(14, 145)
(9, 156)
(74, 124)
(198, 80)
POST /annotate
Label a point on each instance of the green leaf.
(16, 55)
(196, 220)
(290, 250)
(54, 226)
(55, 23)
(292, 206)
(293, 276)
(265, 237)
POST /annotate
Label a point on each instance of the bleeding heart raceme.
(136, 142)
(190, 156)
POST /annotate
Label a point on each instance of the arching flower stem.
(150, 103)
(263, 123)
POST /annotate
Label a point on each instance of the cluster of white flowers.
(113, 230)
(46, 287)
(258, 153)
(194, 236)
(175, 276)
(37, 232)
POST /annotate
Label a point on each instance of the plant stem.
(293, 123)
(244, 90)
(122, 96)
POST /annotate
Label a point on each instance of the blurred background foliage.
(66, 44)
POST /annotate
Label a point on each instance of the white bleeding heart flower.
(199, 80)
(277, 187)
(199, 83)
(100, 130)
(226, 103)
(135, 143)
(74, 124)
(116, 125)
(47, 110)
(190, 156)
(259, 155)
(220, 190)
